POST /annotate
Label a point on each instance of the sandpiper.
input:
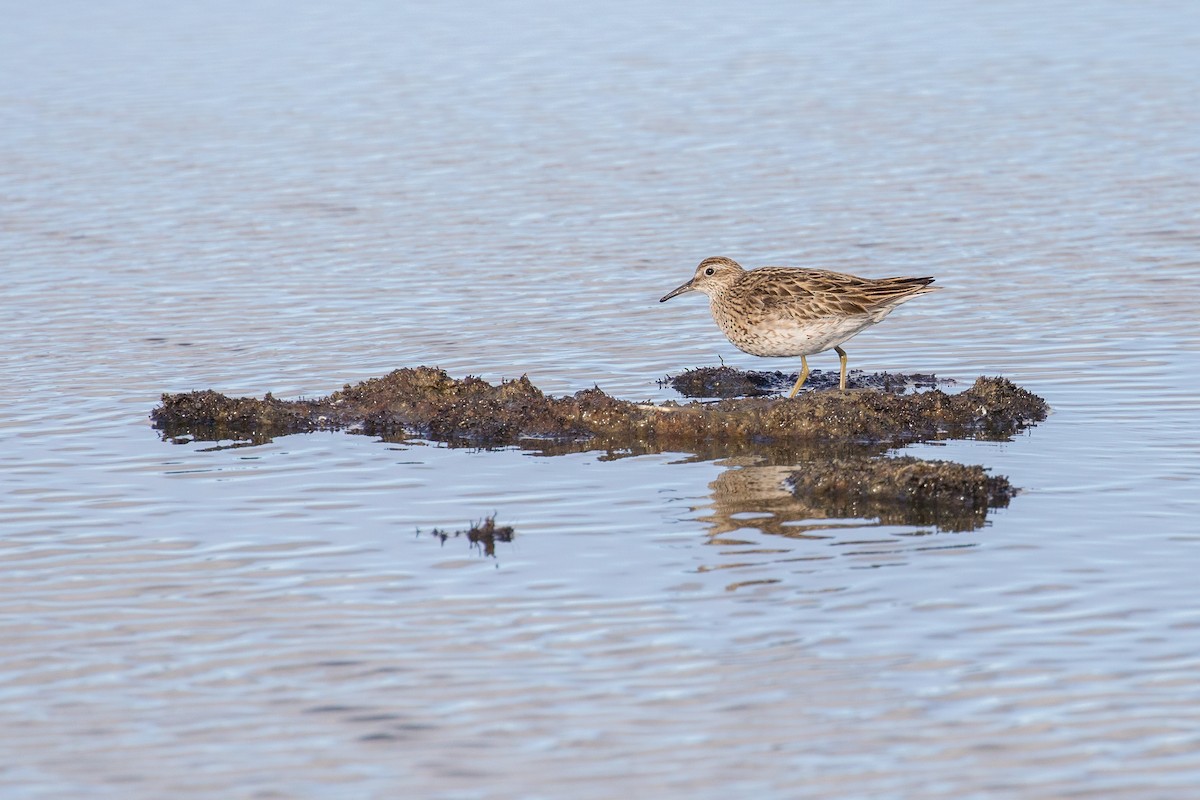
(788, 311)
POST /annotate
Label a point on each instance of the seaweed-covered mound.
(825, 446)
(212, 416)
(427, 402)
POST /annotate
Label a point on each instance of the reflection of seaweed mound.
(795, 500)
(429, 403)
(825, 445)
(903, 490)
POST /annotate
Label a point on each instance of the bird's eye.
(709, 271)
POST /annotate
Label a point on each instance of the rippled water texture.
(272, 197)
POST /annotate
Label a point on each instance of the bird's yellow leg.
(842, 355)
(803, 376)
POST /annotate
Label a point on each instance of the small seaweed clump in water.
(482, 535)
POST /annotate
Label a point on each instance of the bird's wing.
(803, 294)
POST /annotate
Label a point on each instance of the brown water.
(281, 198)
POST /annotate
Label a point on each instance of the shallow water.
(276, 199)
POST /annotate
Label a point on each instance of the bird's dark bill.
(687, 287)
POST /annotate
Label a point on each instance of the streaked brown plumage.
(789, 311)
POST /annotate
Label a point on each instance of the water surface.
(287, 199)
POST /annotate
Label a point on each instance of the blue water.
(288, 198)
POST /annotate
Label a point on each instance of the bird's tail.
(891, 292)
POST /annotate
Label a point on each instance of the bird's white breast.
(788, 338)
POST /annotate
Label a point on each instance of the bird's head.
(714, 275)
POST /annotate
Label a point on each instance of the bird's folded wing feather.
(804, 294)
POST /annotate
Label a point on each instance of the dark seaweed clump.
(727, 382)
